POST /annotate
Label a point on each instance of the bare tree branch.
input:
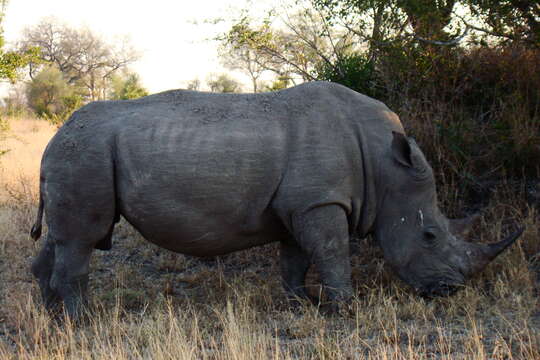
(454, 41)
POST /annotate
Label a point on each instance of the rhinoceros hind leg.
(323, 233)
(42, 268)
(70, 276)
(106, 242)
(294, 263)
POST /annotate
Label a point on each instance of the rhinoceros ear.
(401, 149)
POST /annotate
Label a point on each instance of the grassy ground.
(153, 304)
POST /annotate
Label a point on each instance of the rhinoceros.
(208, 174)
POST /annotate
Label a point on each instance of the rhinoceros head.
(419, 242)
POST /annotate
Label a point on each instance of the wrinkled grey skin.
(207, 174)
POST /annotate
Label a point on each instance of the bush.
(474, 111)
(127, 86)
(51, 97)
(354, 71)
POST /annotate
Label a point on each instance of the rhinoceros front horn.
(482, 254)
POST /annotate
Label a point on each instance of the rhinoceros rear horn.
(483, 254)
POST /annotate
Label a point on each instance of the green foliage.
(12, 62)
(243, 36)
(388, 20)
(223, 83)
(127, 86)
(383, 20)
(51, 97)
(514, 20)
(242, 48)
(354, 71)
(428, 18)
(70, 102)
(474, 109)
(475, 112)
(282, 82)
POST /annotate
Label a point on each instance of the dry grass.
(152, 304)
(25, 142)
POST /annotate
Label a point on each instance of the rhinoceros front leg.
(323, 233)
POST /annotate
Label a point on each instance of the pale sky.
(170, 35)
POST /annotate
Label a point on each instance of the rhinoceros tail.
(35, 233)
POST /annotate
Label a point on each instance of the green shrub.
(51, 97)
(474, 111)
(46, 93)
(126, 86)
(354, 71)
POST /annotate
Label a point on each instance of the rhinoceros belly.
(191, 231)
(200, 189)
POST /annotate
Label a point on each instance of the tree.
(292, 48)
(379, 22)
(356, 71)
(240, 50)
(50, 96)
(223, 83)
(512, 20)
(83, 57)
(10, 64)
(280, 83)
(126, 86)
(429, 22)
(194, 84)
(15, 103)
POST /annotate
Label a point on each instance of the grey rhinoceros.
(207, 174)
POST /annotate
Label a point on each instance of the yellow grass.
(148, 303)
(25, 143)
